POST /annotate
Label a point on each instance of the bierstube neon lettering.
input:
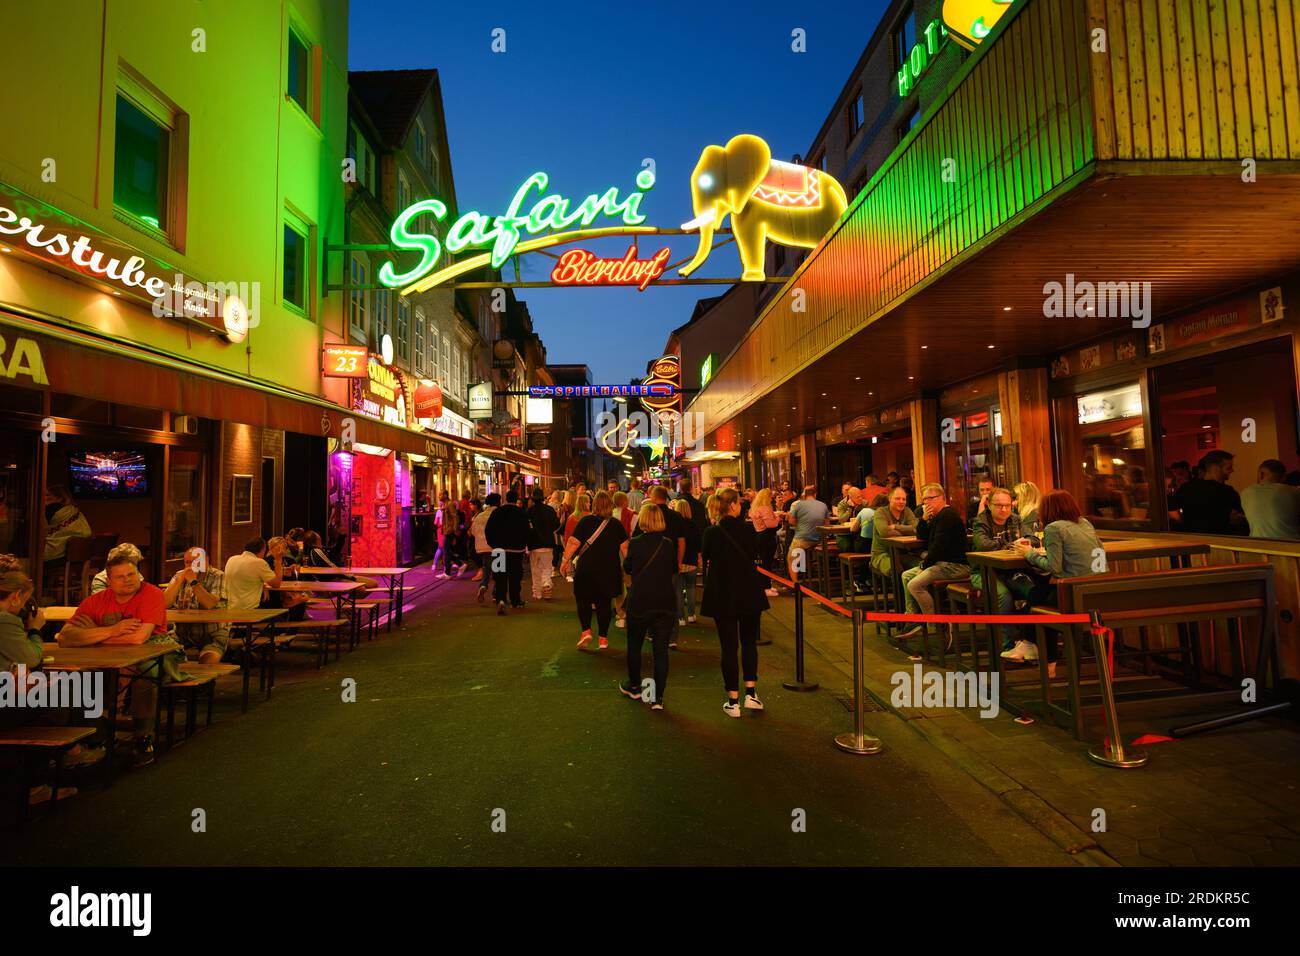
(548, 213)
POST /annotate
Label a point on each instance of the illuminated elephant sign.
(766, 198)
(970, 21)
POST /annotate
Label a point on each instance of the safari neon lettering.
(551, 212)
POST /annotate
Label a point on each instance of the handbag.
(587, 544)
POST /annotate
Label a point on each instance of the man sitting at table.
(247, 574)
(942, 529)
(199, 587)
(807, 515)
(893, 521)
(129, 612)
(995, 528)
(126, 549)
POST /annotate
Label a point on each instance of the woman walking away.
(446, 521)
(598, 577)
(1070, 550)
(685, 579)
(734, 598)
(651, 561)
(543, 524)
(763, 516)
(581, 508)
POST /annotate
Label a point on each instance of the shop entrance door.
(971, 443)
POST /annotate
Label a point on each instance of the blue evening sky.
(585, 92)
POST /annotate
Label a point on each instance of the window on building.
(295, 266)
(820, 161)
(421, 143)
(358, 297)
(444, 358)
(142, 160)
(363, 156)
(435, 345)
(298, 84)
(403, 192)
(904, 36)
(420, 326)
(857, 115)
(456, 383)
(383, 315)
(905, 127)
(464, 378)
(403, 344)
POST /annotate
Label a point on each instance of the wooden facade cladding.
(1026, 119)
(1211, 79)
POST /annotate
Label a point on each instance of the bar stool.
(849, 561)
(965, 595)
(940, 590)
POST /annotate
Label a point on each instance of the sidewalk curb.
(1032, 808)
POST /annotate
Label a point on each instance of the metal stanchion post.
(858, 742)
(798, 683)
(1115, 756)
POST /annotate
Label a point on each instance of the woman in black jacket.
(734, 598)
(651, 560)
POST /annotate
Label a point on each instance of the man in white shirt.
(1272, 508)
(248, 573)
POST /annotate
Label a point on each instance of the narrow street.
(462, 712)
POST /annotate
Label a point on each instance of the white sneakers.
(752, 702)
(770, 592)
(731, 708)
(1023, 651)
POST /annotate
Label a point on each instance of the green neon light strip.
(531, 245)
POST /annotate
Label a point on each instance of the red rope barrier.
(827, 601)
(775, 577)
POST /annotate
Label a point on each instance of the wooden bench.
(315, 634)
(203, 680)
(1185, 598)
(38, 740)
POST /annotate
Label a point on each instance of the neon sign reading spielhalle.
(580, 267)
(550, 213)
(661, 390)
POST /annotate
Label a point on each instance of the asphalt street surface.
(484, 740)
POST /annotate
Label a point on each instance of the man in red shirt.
(130, 611)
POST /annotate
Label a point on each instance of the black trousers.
(604, 611)
(738, 633)
(511, 579)
(659, 626)
(767, 550)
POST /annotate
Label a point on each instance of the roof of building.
(392, 98)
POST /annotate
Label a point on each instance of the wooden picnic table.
(340, 591)
(1174, 547)
(61, 614)
(112, 659)
(243, 618)
(395, 579)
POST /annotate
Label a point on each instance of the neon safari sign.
(549, 213)
(767, 200)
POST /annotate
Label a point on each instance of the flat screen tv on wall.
(107, 474)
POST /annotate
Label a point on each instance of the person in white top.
(247, 574)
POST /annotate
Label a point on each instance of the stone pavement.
(1224, 797)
